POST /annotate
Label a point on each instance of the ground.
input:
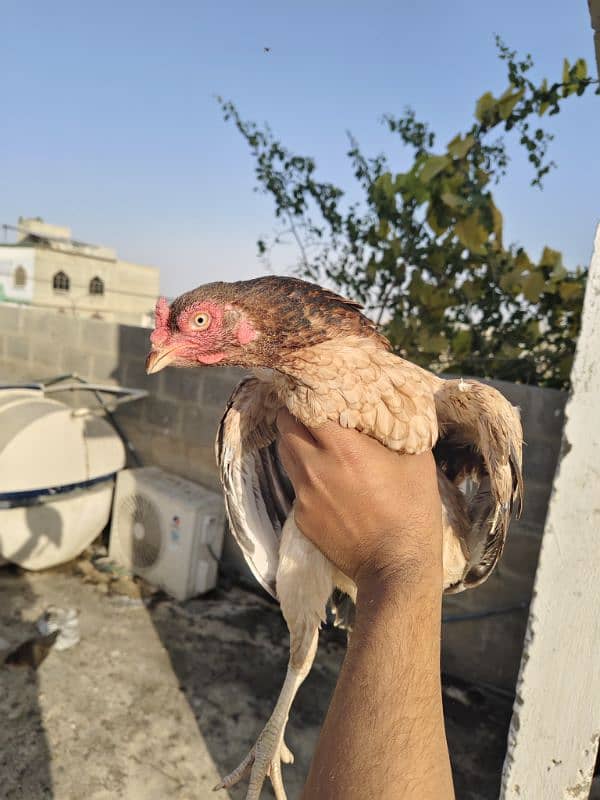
(159, 698)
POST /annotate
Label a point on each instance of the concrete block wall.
(175, 428)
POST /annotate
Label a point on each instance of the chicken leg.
(305, 581)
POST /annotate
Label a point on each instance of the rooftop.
(34, 232)
(91, 721)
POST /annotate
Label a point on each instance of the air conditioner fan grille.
(139, 528)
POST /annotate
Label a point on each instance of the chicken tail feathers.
(480, 452)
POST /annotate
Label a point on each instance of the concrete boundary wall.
(175, 428)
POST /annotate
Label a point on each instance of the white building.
(46, 267)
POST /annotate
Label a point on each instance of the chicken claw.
(263, 760)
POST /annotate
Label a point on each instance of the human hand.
(372, 512)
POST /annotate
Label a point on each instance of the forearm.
(384, 736)
(384, 733)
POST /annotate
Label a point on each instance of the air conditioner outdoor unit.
(168, 530)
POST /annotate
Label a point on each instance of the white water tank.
(57, 470)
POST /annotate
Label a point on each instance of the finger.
(294, 444)
(291, 430)
(333, 437)
(329, 437)
(291, 463)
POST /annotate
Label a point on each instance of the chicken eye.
(201, 321)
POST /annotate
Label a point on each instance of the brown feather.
(290, 314)
(481, 443)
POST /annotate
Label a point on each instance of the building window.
(96, 286)
(61, 282)
(20, 278)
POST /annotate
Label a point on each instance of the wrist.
(403, 578)
(373, 592)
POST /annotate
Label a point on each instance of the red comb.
(161, 312)
(161, 320)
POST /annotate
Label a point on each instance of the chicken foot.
(265, 758)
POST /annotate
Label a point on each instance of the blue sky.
(109, 122)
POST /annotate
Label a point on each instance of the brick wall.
(175, 428)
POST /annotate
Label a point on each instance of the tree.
(424, 251)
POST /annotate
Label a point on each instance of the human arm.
(377, 516)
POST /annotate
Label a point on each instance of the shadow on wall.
(45, 525)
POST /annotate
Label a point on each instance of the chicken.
(315, 353)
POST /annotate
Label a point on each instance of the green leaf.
(497, 222)
(401, 182)
(485, 106)
(482, 176)
(522, 261)
(581, 72)
(384, 188)
(437, 261)
(511, 281)
(508, 350)
(459, 147)
(409, 185)
(371, 270)
(533, 328)
(565, 366)
(566, 70)
(471, 290)
(569, 291)
(434, 222)
(472, 233)
(431, 341)
(462, 342)
(432, 167)
(452, 200)
(533, 286)
(551, 258)
(508, 101)
(383, 229)
(544, 104)
(558, 274)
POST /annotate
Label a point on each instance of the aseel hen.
(315, 353)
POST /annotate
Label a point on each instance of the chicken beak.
(159, 359)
